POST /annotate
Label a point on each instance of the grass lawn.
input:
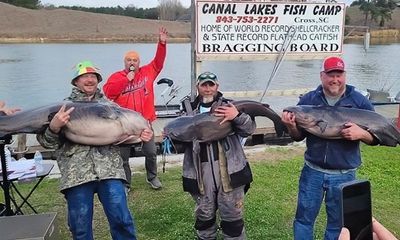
(270, 202)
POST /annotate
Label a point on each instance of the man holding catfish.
(87, 169)
(328, 162)
(216, 172)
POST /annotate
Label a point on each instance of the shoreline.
(349, 39)
(376, 36)
(4, 40)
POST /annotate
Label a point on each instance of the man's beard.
(207, 99)
(335, 91)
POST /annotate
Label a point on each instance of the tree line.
(379, 11)
(170, 10)
(32, 4)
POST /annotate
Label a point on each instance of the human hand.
(352, 131)
(163, 34)
(228, 112)
(60, 119)
(289, 120)
(7, 111)
(344, 234)
(379, 232)
(130, 75)
(146, 135)
(163, 134)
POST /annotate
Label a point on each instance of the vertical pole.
(195, 65)
(398, 118)
(6, 183)
(367, 38)
(21, 145)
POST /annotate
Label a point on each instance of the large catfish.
(328, 121)
(91, 123)
(206, 127)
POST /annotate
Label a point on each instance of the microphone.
(132, 68)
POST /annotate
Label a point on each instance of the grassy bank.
(270, 203)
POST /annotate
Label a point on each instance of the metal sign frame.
(257, 31)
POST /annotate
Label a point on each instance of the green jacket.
(81, 164)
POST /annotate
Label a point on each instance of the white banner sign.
(259, 28)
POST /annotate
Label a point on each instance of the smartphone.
(356, 209)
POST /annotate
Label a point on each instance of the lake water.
(37, 74)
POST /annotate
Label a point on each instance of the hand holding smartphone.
(356, 209)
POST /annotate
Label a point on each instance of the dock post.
(21, 148)
(398, 118)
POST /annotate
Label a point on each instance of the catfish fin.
(322, 125)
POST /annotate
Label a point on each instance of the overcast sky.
(109, 3)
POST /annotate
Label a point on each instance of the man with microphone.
(133, 88)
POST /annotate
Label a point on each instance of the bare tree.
(170, 9)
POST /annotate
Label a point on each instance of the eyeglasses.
(207, 75)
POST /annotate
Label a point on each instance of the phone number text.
(247, 19)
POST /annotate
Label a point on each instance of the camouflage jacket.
(80, 164)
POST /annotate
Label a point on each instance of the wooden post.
(21, 145)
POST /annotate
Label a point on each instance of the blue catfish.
(91, 123)
(328, 122)
(206, 127)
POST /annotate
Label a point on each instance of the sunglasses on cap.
(207, 83)
(207, 75)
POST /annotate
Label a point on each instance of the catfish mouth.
(292, 109)
(302, 119)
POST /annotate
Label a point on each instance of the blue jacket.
(335, 154)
